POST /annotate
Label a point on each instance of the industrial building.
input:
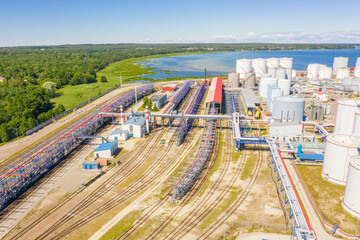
(102, 162)
(159, 100)
(214, 95)
(170, 87)
(321, 96)
(249, 100)
(106, 150)
(119, 134)
(135, 126)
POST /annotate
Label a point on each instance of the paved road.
(263, 236)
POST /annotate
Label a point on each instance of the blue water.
(224, 62)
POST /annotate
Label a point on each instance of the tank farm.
(215, 158)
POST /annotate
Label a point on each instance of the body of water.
(224, 62)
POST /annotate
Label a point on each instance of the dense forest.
(32, 74)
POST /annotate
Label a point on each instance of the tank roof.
(355, 162)
(344, 140)
(349, 101)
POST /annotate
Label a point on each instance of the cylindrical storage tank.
(357, 62)
(284, 84)
(357, 71)
(286, 62)
(312, 71)
(345, 116)
(259, 66)
(264, 82)
(272, 72)
(293, 73)
(340, 62)
(356, 129)
(288, 72)
(288, 108)
(351, 202)
(243, 66)
(269, 92)
(339, 148)
(324, 72)
(273, 62)
(342, 73)
(280, 73)
(348, 81)
(234, 79)
(277, 92)
(249, 81)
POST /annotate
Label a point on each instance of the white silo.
(357, 62)
(249, 81)
(357, 71)
(276, 92)
(345, 115)
(288, 72)
(271, 87)
(351, 198)
(273, 62)
(339, 148)
(286, 62)
(340, 62)
(288, 108)
(342, 73)
(356, 129)
(234, 79)
(280, 73)
(264, 83)
(259, 66)
(243, 66)
(272, 72)
(284, 84)
(312, 72)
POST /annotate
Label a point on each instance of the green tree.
(103, 79)
(50, 87)
(4, 135)
(59, 109)
(155, 109)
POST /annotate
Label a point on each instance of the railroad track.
(98, 192)
(209, 232)
(190, 195)
(199, 213)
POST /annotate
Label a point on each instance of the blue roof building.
(135, 126)
(106, 150)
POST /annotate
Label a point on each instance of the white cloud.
(146, 40)
(300, 37)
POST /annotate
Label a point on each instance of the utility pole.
(120, 81)
(17, 134)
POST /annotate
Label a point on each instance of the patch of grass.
(235, 156)
(328, 198)
(231, 197)
(122, 226)
(249, 166)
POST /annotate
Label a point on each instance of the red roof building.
(169, 87)
(215, 93)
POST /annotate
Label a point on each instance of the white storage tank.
(339, 148)
(357, 71)
(324, 72)
(277, 92)
(312, 71)
(249, 81)
(234, 79)
(288, 72)
(357, 62)
(284, 84)
(269, 94)
(288, 108)
(345, 115)
(259, 66)
(272, 72)
(264, 82)
(286, 62)
(351, 200)
(293, 73)
(243, 66)
(342, 73)
(273, 62)
(356, 129)
(280, 73)
(340, 62)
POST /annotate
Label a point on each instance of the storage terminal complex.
(291, 119)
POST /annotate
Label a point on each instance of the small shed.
(321, 96)
(135, 126)
(91, 165)
(102, 161)
(159, 100)
(106, 150)
(119, 134)
(170, 87)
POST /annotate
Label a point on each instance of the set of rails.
(19, 172)
(179, 96)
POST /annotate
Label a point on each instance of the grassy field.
(130, 70)
(328, 198)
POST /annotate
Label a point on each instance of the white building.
(322, 97)
(106, 150)
(119, 134)
(135, 126)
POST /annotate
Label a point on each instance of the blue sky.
(51, 22)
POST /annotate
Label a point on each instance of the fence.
(41, 125)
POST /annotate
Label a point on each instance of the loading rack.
(186, 124)
(186, 176)
(19, 172)
(179, 96)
